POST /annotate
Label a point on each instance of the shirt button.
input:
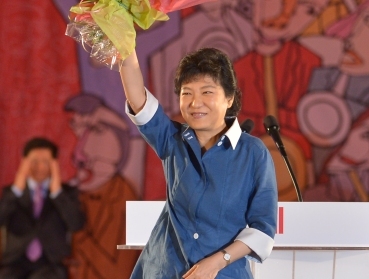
(222, 137)
(195, 235)
(220, 143)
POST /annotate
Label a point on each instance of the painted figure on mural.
(222, 24)
(348, 167)
(273, 78)
(342, 92)
(102, 150)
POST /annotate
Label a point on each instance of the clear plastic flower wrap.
(106, 28)
(94, 41)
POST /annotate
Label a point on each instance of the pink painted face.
(97, 152)
(356, 57)
(79, 123)
(214, 9)
(355, 151)
(279, 20)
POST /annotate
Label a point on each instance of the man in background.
(38, 214)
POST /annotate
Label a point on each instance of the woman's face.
(203, 105)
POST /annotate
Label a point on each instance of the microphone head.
(247, 126)
(270, 124)
(272, 128)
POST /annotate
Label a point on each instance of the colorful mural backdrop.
(304, 62)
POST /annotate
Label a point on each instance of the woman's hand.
(207, 268)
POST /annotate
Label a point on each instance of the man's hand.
(22, 174)
(55, 182)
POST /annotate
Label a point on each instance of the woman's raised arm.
(133, 84)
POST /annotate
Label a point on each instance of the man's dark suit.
(60, 216)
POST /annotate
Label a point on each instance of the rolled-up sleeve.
(146, 113)
(260, 243)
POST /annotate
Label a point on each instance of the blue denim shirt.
(229, 193)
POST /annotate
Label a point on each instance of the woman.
(221, 188)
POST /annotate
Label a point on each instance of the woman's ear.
(230, 101)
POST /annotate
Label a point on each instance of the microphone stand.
(272, 128)
(294, 180)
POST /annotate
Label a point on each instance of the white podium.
(314, 240)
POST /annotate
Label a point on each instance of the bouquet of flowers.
(106, 28)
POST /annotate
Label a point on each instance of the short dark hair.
(214, 63)
(39, 142)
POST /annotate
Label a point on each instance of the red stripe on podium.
(280, 220)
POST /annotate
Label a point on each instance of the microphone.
(272, 128)
(247, 126)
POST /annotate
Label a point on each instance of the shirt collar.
(234, 133)
(32, 184)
